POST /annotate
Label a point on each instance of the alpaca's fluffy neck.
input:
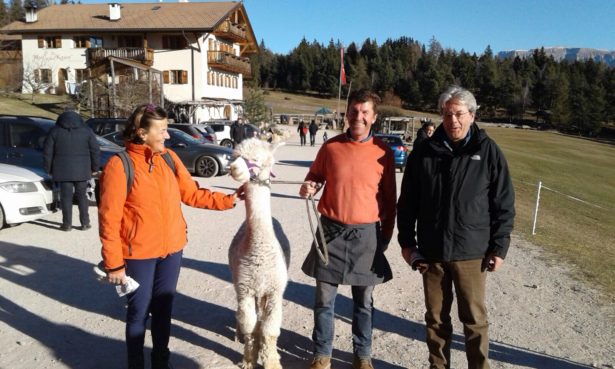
(258, 206)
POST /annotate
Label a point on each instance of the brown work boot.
(321, 362)
(358, 363)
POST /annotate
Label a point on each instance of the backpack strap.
(129, 170)
(167, 157)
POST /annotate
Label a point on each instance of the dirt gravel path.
(54, 314)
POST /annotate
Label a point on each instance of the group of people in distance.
(454, 216)
(312, 129)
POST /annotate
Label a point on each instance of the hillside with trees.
(574, 96)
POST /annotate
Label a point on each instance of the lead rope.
(324, 254)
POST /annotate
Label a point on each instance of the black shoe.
(160, 359)
(85, 227)
(66, 228)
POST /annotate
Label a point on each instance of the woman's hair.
(142, 117)
(427, 125)
(460, 94)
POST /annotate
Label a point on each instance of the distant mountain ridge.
(566, 53)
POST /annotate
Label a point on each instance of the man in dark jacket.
(72, 154)
(313, 128)
(458, 192)
(238, 131)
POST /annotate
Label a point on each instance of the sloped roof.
(137, 17)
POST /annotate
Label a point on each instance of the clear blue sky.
(470, 25)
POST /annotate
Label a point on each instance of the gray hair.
(460, 94)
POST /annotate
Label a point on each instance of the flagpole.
(348, 95)
(339, 96)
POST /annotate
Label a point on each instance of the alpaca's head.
(253, 160)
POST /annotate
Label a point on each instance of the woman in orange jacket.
(143, 231)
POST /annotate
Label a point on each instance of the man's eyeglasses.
(457, 115)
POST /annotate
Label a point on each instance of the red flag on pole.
(342, 70)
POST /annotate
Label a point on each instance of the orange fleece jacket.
(359, 180)
(149, 223)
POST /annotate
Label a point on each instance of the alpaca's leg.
(269, 352)
(246, 322)
(270, 331)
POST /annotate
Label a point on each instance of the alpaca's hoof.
(247, 365)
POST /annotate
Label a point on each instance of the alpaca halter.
(255, 170)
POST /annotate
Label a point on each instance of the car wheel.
(2, 224)
(206, 166)
(227, 143)
(90, 193)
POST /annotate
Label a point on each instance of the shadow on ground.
(53, 276)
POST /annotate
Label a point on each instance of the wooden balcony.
(98, 55)
(231, 31)
(230, 63)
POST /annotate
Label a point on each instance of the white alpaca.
(258, 258)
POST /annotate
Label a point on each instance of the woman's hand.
(117, 277)
(240, 193)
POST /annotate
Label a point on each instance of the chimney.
(31, 12)
(114, 12)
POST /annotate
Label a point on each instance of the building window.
(174, 42)
(81, 75)
(81, 42)
(42, 75)
(49, 42)
(175, 77)
(129, 41)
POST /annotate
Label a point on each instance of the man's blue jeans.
(324, 323)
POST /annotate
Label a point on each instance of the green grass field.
(581, 234)
(576, 216)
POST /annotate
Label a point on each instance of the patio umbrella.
(323, 111)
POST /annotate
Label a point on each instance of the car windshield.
(177, 135)
(207, 129)
(392, 140)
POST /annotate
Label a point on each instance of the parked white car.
(24, 196)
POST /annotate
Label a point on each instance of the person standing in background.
(424, 133)
(303, 130)
(238, 131)
(71, 156)
(313, 128)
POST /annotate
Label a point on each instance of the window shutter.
(184, 77)
(165, 42)
(41, 42)
(58, 43)
(165, 76)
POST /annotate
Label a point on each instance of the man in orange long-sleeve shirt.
(358, 216)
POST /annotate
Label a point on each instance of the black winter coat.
(313, 128)
(462, 201)
(71, 152)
